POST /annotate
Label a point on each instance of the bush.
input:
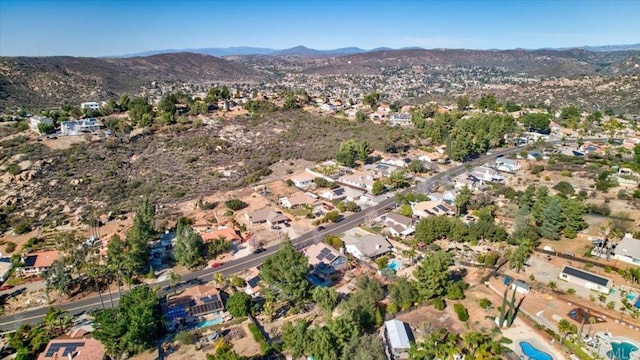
(603, 209)
(22, 227)
(185, 338)
(565, 173)
(235, 204)
(11, 247)
(485, 303)
(14, 169)
(259, 338)
(461, 311)
(564, 187)
(571, 291)
(439, 304)
(537, 169)
(238, 304)
(456, 291)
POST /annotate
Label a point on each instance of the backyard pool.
(395, 265)
(211, 322)
(534, 353)
(317, 281)
(621, 350)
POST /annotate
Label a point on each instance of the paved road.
(12, 322)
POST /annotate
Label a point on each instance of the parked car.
(216, 265)
(6, 287)
(275, 227)
(259, 250)
(320, 228)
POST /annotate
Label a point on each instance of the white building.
(90, 105)
(363, 244)
(586, 279)
(79, 127)
(628, 250)
(34, 121)
(520, 287)
(397, 339)
(399, 119)
(302, 180)
(5, 268)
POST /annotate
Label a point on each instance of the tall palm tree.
(93, 270)
(174, 279)
(592, 321)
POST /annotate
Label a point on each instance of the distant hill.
(50, 81)
(608, 48)
(230, 51)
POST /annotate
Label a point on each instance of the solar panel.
(68, 347)
(319, 257)
(330, 257)
(30, 260)
(254, 282)
(206, 308)
(443, 208)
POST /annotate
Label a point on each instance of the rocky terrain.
(50, 81)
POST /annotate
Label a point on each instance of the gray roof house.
(363, 244)
(628, 250)
(268, 216)
(586, 279)
(398, 339)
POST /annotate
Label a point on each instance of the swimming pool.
(211, 322)
(621, 350)
(395, 264)
(631, 296)
(534, 353)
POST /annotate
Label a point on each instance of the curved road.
(12, 322)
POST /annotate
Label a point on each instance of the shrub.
(485, 303)
(461, 311)
(564, 187)
(235, 204)
(238, 304)
(259, 338)
(537, 169)
(439, 304)
(185, 338)
(14, 169)
(11, 247)
(571, 291)
(565, 173)
(22, 227)
(456, 291)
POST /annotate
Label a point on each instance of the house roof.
(400, 219)
(628, 246)
(397, 333)
(434, 207)
(357, 179)
(321, 253)
(200, 300)
(337, 192)
(506, 161)
(302, 176)
(78, 349)
(267, 215)
(521, 284)
(369, 244)
(300, 198)
(44, 258)
(585, 275)
(227, 233)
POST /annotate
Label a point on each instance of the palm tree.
(592, 321)
(93, 271)
(565, 328)
(174, 279)
(220, 279)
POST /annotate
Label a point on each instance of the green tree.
(189, 249)
(224, 351)
(351, 150)
(322, 344)
(573, 217)
(462, 201)
(364, 347)
(403, 293)
(377, 188)
(287, 270)
(46, 128)
(433, 275)
(327, 298)
(463, 103)
(552, 220)
(371, 99)
(488, 102)
(295, 337)
(239, 304)
(360, 117)
(58, 277)
(364, 149)
(235, 204)
(133, 326)
(566, 328)
(537, 122)
(406, 210)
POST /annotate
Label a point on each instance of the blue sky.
(103, 28)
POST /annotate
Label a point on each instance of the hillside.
(50, 81)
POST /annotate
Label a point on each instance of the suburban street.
(12, 322)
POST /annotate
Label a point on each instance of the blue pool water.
(534, 353)
(395, 264)
(317, 281)
(211, 322)
(631, 296)
(621, 350)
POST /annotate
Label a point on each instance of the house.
(507, 165)
(586, 279)
(534, 155)
(76, 349)
(337, 194)
(592, 149)
(425, 209)
(384, 108)
(34, 121)
(628, 250)
(398, 119)
(353, 194)
(193, 303)
(227, 233)
(328, 108)
(268, 216)
(5, 268)
(398, 225)
(302, 180)
(435, 157)
(36, 263)
(520, 287)
(398, 339)
(382, 169)
(90, 105)
(324, 259)
(364, 182)
(449, 196)
(79, 127)
(298, 199)
(363, 244)
(252, 279)
(486, 174)
(472, 183)
(396, 161)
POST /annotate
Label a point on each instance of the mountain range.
(304, 51)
